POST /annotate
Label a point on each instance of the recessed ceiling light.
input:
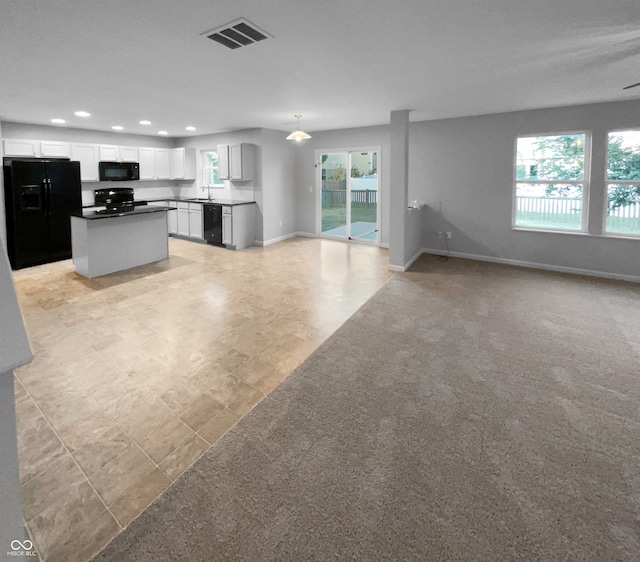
(83, 114)
(117, 127)
(145, 122)
(163, 133)
(190, 128)
(58, 121)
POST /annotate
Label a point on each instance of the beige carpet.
(467, 411)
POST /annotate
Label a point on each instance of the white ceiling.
(340, 63)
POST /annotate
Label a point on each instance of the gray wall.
(11, 521)
(339, 139)
(463, 170)
(279, 184)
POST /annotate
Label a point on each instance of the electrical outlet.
(449, 235)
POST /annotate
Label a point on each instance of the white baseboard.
(276, 240)
(408, 264)
(307, 234)
(534, 265)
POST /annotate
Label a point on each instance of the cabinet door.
(54, 149)
(177, 163)
(129, 153)
(195, 221)
(109, 153)
(147, 163)
(87, 155)
(20, 148)
(235, 161)
(227, 228)
(173, 218)
(223, 162)
(162, 164)
(183, 219)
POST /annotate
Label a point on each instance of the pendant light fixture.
(298, 135)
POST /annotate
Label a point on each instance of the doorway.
(349, 188)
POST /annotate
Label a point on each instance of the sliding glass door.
(349, 190)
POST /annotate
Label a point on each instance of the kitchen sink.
(202, 200)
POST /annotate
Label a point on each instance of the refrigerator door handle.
(47, 186)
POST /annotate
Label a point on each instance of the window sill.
(550, 231)
(616, 235)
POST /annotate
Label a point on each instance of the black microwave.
(119, 171)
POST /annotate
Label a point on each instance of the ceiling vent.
(238, 33)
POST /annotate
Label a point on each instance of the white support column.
(399, 187)
(14, 352)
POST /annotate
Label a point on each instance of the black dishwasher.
(213, 224)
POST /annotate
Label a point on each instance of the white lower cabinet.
(196, 229)
(172, 217)
(238, 226)
(190, 220)
(227, 225)
(183, 219)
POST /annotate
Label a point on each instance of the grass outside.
(333, 217)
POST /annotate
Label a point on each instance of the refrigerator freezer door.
(27, 224)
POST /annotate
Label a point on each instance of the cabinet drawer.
(184, 206)
(197, 207)
(226, 210)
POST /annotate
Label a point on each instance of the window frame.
(585, 182)
(608, 182)
(204, 168)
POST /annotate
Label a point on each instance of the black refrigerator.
(39, 198)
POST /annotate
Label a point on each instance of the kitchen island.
(103, 243)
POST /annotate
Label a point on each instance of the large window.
(210, 169)
(550, 182)
(623, 182)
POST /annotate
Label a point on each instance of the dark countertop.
(204, 201)
(141, 210)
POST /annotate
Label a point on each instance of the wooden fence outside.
(359, 198)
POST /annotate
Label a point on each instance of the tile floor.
(138, 373)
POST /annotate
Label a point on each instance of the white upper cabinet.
(87, 155)
(182, 164)
(16, 147)
(162, 164)
(155, 163)
(223, 162)
(54, 149)
(147, 163)
(109, 153)
(235, 162)
(129, 154)
(113, 153)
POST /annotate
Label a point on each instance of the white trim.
(276, 240)
(307, 234)
(408, 264)
(533, 265)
